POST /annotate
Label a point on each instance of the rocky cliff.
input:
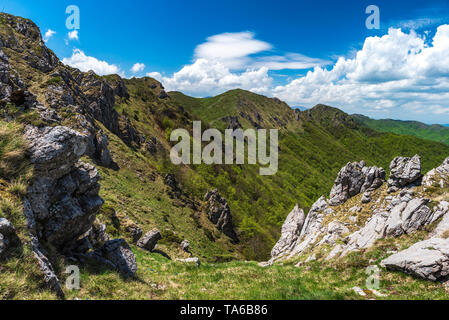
(364, 208)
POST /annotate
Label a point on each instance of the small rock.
(359, 291)
(194, 260)
(185, 246)
(149, 240)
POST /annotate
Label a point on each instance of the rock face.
(118, 253)
(437, 177)
(353, 179)
(149, 240)
(337, 225)
(427, 259)
(404, 171)
(291, 230)
(194, 260)
(219, 213)
(64, 195)
(62, 202)
(6, 232)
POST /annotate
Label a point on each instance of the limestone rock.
(353, 179)
(119, 253)
(185, 246)
(194, 260)
(438, 176)
(219, 213)
(404, 171)
(149, 240)
(442, 229)
(291, 230)
(6, 231)
(428, 259)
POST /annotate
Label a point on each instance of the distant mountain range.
(435, 132)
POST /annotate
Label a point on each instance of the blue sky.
(305, 52)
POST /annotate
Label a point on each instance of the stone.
(359, 291)
(353, 179)
(404, 171)
(291, 230)
(149, 240)
(219, 213)
(438, 176)
(442, 229)
(428, 259)
(119, 253)
(194, 260)
(185, 246)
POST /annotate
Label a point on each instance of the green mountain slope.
(138, 116)
(434, 132)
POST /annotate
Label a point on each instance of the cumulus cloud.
(233, 60)
(137, 67)
(85, 63)
(50, 33)
(398, 70)
(205, 77)
(155, 75)
(73, 35)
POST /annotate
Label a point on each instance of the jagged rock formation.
(7, 230)
(149, 240)
(291, 230)
(404, 171)
(353, 179)
(438, 176)
(64, 195)
(219, 213)
(62, 202)
(347, 229)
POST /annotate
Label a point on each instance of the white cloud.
(85, 63)
(398, 72)
(155, 75)
(205, 78)
(231, 49)
(50, 33)
(138, 67)
(228, 61)
(73, 35)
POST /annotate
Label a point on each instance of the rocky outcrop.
(333, 223)
(291, 230)
(428, 259)
(219, 213)
(117, 254)
(404, 171)
(185, 246)
(64, 194)
(149, 240)
(62, 202)
(353, 179)
(7, 230)
(438, 177)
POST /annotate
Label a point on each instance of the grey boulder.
(428, 259)
(149, 240)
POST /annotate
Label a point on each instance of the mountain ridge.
(121, 129)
